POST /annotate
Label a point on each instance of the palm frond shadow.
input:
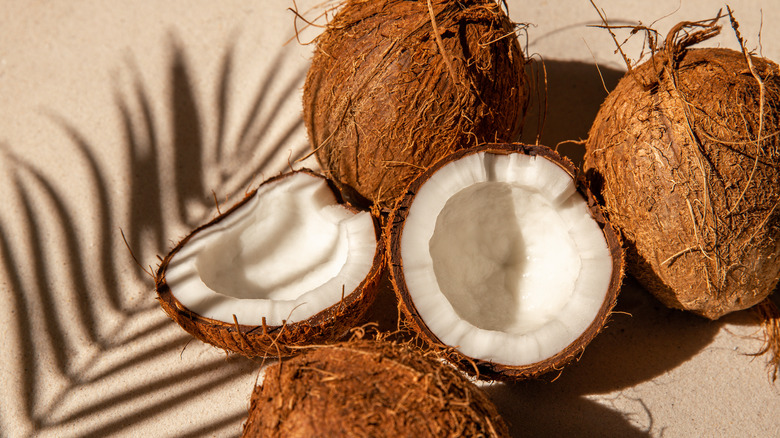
(188, 141)
(105, 253)
(103, 320)
(53, 325)
(254, 131)
(160, 406)
(179, 378)
(27, 391)
(87, 313)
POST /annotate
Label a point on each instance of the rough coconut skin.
(329, 325)
(673, 154)
(369, 389)
(381, 102)
(481, 369)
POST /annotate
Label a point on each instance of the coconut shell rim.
(483, 369)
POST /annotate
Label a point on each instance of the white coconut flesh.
(503, 259)
(285, 255)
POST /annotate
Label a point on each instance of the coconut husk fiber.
(369, 389)
(395, 85)
(685, 156)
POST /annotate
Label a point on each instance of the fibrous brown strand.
(769, 316)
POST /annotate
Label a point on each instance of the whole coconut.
(685, 155)
(501, 258)
(393, 87)
(369, 388)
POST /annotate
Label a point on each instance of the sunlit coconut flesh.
(289, 265)
(499, 253)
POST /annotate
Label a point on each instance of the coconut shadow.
(641, 342)
(573, 95)
(633, 348)
(549, 412)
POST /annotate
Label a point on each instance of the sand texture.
(134, 118)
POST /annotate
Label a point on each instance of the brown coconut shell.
(329, 325)
(484, 369)
(369, 389)
(674, 157)
(386, 96)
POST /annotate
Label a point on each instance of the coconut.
(394, 85)
(501, 257)
(685, 156)
(287, 266)
(369, 388)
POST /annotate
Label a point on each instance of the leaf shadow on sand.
(75, 339)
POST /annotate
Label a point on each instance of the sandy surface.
(131, 116)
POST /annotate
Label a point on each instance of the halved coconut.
(499, 254)
(287, 266)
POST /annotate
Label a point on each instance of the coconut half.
(499, 254)
(287, 266)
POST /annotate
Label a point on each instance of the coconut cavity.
(286, 267)
(489, 239)
(503, 257)
(369, 388)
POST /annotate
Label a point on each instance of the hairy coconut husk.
(768, 315)
(386, 95)
(369, 388)
(481, 369)
(685, 155)
(329, 325)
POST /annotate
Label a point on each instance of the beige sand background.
(131, 116)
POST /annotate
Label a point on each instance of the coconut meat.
(288, 253)
(503, 259)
